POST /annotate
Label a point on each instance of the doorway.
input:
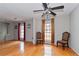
(22, 31)
(48, 30)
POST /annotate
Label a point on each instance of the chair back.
(66, 36)
(38, 35)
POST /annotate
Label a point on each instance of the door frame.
(43, 30)
(52, 30)
(18, 31)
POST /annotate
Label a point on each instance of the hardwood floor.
(12, 48)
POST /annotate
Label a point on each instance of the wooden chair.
(65, 39)
(39, 38)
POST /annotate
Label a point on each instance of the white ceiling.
(24, 11)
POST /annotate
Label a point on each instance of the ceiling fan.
(49, 9)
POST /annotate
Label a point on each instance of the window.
(22, 31)
(47, 31)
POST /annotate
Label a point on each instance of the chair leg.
(67, 45)
(57, 44)
(63, 46)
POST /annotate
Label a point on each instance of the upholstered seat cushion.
(62, 41)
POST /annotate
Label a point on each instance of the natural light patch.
(47, 50)
(22, 32)
(21, 47)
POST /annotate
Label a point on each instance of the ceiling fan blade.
(58, 7)
(59, 10)
(52, 13)
(45, 6)
(37, 10)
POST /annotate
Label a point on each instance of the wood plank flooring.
(12, 48)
